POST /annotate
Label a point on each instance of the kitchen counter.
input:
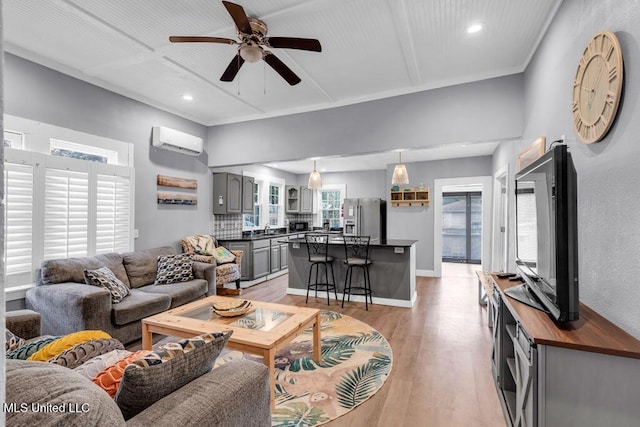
(392, 271)
(262, 236)
(374, 242)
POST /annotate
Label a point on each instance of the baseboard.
(360, 298)
(425, 273)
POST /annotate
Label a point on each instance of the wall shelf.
(411, 197)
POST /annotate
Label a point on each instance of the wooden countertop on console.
(591, 332)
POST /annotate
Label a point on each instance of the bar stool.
(357, 256)
(318, 250)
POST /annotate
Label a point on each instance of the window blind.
(66, 210)
(113, 213)
(18, 221)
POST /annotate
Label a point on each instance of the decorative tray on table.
(232, 308)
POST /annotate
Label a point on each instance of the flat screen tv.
(547, 235)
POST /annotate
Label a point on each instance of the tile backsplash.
(227, 226)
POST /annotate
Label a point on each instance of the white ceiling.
(371, 49)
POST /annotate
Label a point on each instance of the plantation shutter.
(66, 214)
(113, 214)
(18, 222)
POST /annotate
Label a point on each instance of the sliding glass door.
(462, 227)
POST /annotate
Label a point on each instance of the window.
(253, 220)
(329, 209)
(13, 139)
(82, 151)
(59, 207)
(330, 204)
(268, 203)
(274, 205)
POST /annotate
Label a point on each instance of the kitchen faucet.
(266, 229)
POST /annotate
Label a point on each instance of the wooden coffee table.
(263, 331)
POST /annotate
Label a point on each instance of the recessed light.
(187, 97)
(472, 29)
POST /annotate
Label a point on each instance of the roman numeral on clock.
(613, 73)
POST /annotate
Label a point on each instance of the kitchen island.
(392, 272)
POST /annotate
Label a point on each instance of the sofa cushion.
(139, 305)
(12, 341)
(30, 347)
(109, 378)
(44, 385)
(174, 269)
(72, 269)
(180, 293)
(94, 366)
(104, 278)
(142, 266)
(160, 373)
(58, 346)
(84, 351)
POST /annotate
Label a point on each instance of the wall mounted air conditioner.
(174, 140)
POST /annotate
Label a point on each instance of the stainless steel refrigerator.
(365, 217)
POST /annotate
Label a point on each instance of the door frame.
(468, 194)
(500, 243)
(486, 182)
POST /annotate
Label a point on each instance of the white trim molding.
(359, 298)
(487, 202)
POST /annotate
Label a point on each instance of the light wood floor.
(441, 373)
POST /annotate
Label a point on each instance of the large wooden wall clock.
(597, 87)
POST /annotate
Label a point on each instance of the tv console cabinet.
(581, 373)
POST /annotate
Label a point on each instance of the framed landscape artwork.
(531, 153)
(167, 198)
(172, 181)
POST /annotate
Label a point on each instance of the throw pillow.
(82, 352)
(174, 268)
(91, 368)
(109, 378)
(160, 373)
(12, 341)
(58, 346)
(222, 255)
(104, 278)
(30, 347)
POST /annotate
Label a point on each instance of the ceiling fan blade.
(197, 39)
(281, 69)
(239, 17)
(232, 69)
(295, 43)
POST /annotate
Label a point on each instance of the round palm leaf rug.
(356, 361)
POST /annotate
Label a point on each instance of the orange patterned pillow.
(109, 379)
(58, 346)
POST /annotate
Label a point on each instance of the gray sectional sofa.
(67, 304)
(237, 393)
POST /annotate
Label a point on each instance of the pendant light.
(400, 175)
(315, 181)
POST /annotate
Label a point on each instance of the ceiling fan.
(252, 33)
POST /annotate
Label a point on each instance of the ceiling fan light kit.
(252, 33)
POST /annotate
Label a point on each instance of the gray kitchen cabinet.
(299, 199)
(292, 199)
(248, 183)
(261, 258)
(306, 200)
(227, 193)
(283, 256)
(246, 261)
(275, 258)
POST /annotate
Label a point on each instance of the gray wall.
(39, 93)
(417, 222)
(359, 183)
(608, 172)
(488, 110)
